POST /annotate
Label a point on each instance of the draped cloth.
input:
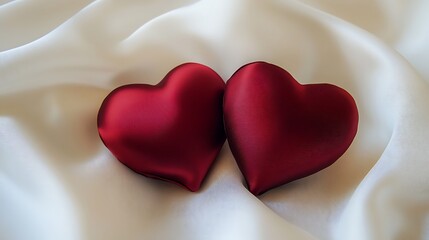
(59, 59)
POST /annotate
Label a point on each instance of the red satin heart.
(171, 131)
(279, 130)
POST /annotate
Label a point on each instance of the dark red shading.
(171, 131)
(279, 130)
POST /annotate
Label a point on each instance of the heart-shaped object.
(279, 130)
(171, 131)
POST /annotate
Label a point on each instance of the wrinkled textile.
(60, 59)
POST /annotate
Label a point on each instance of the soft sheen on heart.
(279, 130)
(171, 131)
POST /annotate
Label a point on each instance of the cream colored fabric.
(59, 59)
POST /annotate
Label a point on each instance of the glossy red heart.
(171, 131)
(279, 130)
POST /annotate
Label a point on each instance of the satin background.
(59, 59)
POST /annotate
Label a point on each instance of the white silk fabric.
(59, 59)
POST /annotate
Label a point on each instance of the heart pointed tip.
(256, 190)
(194, 187)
